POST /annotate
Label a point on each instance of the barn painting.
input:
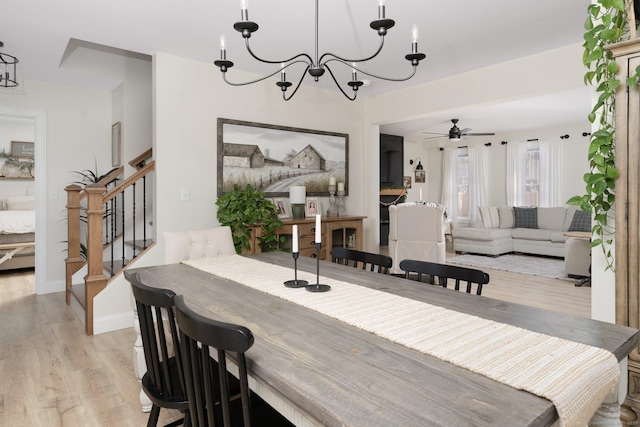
(272, 158)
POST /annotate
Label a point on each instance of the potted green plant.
(89, 176)
(242, 208)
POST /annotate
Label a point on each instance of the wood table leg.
(609, 412)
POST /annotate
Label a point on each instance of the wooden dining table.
(317, 370)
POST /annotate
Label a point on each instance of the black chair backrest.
(205, 384)
(155, 305)
(374, 262)
(444, 272)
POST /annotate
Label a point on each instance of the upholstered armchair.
(416, 231)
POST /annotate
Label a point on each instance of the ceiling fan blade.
(478, 134)
(436, 133)
(435, 137)
(465, 131)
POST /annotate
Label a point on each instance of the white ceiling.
(456, 36)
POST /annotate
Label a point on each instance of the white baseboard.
(112, 323)
(55, 286)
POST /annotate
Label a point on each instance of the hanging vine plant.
(609, 21)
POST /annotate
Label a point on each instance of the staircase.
(107, 231)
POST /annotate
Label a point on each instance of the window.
(463, 183)
(532, 178)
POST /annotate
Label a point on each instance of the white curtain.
(477, 181)
(516, 173)
(551, 172)
(450, 183)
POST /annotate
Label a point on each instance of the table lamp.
(297, 198)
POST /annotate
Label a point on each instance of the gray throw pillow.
(581, 221)
(525, 217)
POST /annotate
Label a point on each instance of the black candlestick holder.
(295, 283)
(317, 287)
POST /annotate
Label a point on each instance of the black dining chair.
(164, 381)
(207, 382)
(444, 272)
(364, 260)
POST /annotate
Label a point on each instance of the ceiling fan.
(456, 134)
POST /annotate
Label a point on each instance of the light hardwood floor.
(52, 374)
(541, 292)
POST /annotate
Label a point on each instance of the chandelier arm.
(304, 74)
(345, 60)
(266, 61)
(340, 87)
(391, 79)
(224, 76)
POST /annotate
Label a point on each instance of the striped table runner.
(575, 377)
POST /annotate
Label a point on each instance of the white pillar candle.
(318, 229)
(294, 239)
(332, 180)
(421, 194)
(341, 186)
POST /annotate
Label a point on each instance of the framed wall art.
(116, 144)
(272, 158)
(22, 149)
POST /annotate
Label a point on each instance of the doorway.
(37, 119)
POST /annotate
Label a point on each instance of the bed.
(17, 232)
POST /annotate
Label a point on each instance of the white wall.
(15, 129)
(78, 130)
(185, 141)
(132, 106)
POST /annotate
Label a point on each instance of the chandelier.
(317, 65)
(7, 66)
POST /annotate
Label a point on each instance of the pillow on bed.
(24, 203)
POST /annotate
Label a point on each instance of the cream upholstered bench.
(191, 244)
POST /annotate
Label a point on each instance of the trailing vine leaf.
(607, 23)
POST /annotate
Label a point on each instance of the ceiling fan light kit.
(317, 65)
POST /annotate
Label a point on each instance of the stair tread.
(139, 243)
(78, 292)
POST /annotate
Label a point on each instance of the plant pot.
(11, 170)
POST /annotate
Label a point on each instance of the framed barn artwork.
(272, 158)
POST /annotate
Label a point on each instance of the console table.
(342, 231)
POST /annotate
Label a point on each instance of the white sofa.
(416, 231)
(502, 231)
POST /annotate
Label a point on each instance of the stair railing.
(111, 218)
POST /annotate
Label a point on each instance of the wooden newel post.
(74, 261)
(95, 280)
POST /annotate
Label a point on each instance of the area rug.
(532, 265)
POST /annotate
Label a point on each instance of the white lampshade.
(297, 194)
